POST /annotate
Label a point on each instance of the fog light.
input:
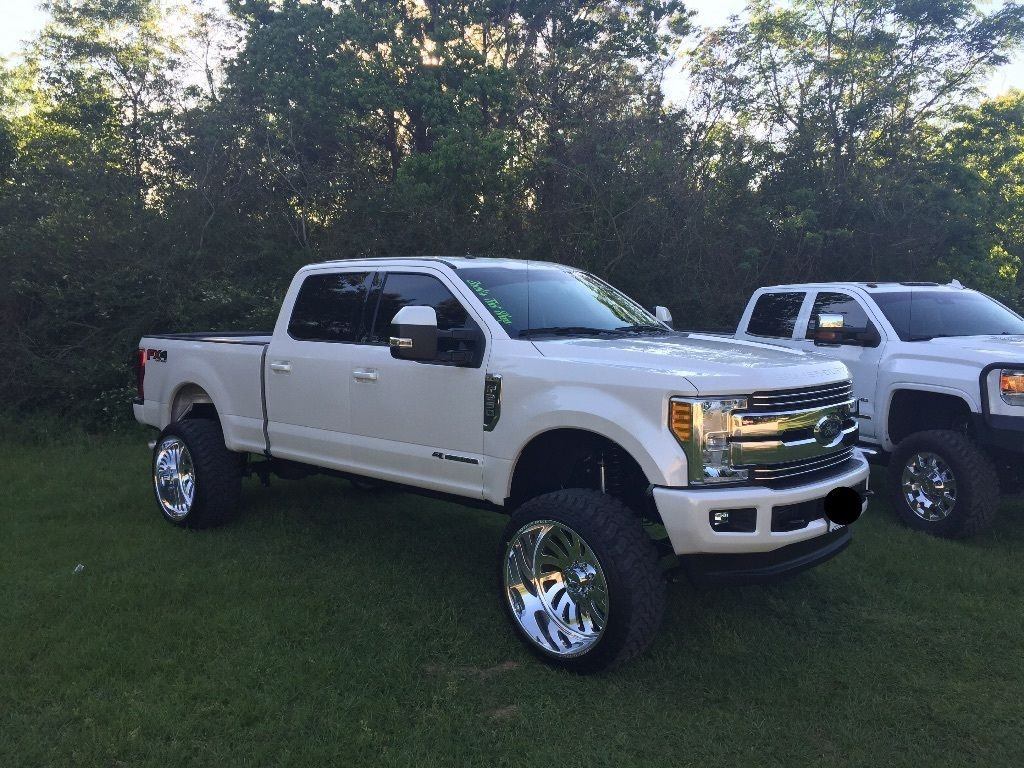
(733, 520)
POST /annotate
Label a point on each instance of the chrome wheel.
(174, 477)
(556, 588)
(929, 487)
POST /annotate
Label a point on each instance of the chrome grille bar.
(806, 397)
(776, 472)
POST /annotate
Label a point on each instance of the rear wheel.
(581, 580)
(942, 483)
(196, 479)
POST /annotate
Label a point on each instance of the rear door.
(308, 366)
(413, 421)
(862, 361)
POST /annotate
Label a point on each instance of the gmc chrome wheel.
(174, 477)
(929, 486)
(556, 588)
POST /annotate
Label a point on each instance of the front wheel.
(581, 581)
(942, 483)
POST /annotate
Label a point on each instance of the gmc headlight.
(703, 428)
(1011, 386)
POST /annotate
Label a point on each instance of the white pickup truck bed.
(228, 364)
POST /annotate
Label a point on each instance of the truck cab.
(938, 374)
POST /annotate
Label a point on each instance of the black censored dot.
(842, 505)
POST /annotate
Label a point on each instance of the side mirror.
(830, 330)
(414, 334)
(663, 315)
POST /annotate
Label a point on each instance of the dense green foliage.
(332, 627)
(168, 169)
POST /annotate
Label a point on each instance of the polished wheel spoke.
(556, 588)
(929, 487)
(174, 478)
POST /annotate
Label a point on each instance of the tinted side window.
(416, 290)
(329, 307)
(853, 313)
(775, 314)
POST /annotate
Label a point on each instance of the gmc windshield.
(923, 315)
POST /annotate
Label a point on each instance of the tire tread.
(218, 472)
(975, 473)
(621, 543)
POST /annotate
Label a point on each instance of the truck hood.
(979, 349)
(712, 364)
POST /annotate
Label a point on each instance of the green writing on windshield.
(492, 304)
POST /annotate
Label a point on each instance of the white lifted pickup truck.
(531, 388)
(938, 371)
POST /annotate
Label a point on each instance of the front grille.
(802, 469)
(820, 396)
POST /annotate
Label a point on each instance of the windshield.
(547, 300)
(922, 315)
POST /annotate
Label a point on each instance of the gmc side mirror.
(414, 334)
(830, 330)
(663, 315)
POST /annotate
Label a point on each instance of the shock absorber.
(613, 473)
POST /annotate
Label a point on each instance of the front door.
(862, 361)
(418, 422)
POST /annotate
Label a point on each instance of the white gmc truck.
(534, 389)
(938, 372)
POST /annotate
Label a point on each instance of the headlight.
(1011, 386)
(702, 428)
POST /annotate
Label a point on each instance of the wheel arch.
(192, 401)
(552, 455)
(916, 409)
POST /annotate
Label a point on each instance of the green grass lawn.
(328, 625)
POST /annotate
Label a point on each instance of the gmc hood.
(713, 365)
(980, 349)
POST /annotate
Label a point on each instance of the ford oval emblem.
(828, 432)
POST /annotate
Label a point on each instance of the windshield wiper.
(925, 337)
(567, 330)
(643, 328)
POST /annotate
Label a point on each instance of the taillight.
(140, 374)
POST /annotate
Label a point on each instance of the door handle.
(364, 374)
(281, 366)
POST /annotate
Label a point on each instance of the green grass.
(332, 626)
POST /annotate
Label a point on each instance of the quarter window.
(775, 314)
(329, 307)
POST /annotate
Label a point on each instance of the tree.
(846, 93)
(983, 152)
(84, 199)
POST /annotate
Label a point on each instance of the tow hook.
(843, 505)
